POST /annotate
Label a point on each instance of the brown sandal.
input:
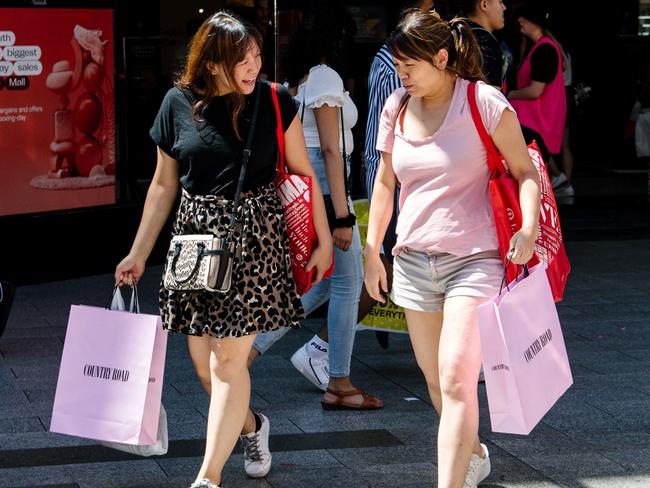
(369, 402)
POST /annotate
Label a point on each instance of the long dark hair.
(222, 39)
(420, 35)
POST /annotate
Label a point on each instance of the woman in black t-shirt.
(200, 132)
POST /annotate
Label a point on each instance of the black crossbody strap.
(345, 156)
(246, 156)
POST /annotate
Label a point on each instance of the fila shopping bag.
(111, 376)
(524, 357)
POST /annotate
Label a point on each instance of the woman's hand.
(321, 259)
(342, 237)
(129, 271)
(522, 246)
(375, 278)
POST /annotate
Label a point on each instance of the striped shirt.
(382, 81)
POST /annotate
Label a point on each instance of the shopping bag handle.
(134, 306)
(507, 262)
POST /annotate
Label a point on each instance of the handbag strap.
(245, 157)
(134, 306)
(494, 160)
(279, 129)
(508, 262)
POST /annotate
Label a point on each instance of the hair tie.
(456, 30)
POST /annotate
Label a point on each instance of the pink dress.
(444, 203)
(546, 114)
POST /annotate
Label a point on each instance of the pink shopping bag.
(111, 376)
(524, 357)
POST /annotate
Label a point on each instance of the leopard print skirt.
(263, 295)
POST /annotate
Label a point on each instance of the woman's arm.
(381, 211)
(531, 92)
(157, 207)
(510, 142)
(327, 122)
(298, 162)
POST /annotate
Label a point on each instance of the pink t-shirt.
(444, 203)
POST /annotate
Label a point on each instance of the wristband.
(345, 222)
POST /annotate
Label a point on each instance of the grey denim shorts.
(423, 280)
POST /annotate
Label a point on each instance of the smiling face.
(247, 70)
(422, 78)
(244, 73)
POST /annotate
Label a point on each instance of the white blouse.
(324, 86)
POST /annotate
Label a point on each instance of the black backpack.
(7, 292)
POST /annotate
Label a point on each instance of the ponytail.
(420, 35)
(468, 58)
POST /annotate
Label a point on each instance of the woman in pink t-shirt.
(446, 256)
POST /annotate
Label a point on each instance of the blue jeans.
(342, 289)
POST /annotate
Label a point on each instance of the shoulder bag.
(504, 196)
(295, 192)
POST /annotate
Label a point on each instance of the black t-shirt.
(209, 153)
(492, 55)
(544, 64)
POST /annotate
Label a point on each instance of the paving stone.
(144, 473)
(624, 481)
(381, 456)
(40, 440)
(315, 478)
(20, 425)
(636, 460)
(569, 469)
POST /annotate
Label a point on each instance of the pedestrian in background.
(328, 115)
(446, 257)
(200, 131)
(540, 97)
(485, 17)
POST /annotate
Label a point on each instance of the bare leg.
(424, 331)
(229, 401)
(459, 362)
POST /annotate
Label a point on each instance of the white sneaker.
(257, 456)
(479, 469)
(204, 484)
(559, 180)
(315, 369)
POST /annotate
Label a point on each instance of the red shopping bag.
(295, 192)
(504, 195)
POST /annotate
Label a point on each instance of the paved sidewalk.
(597, 436)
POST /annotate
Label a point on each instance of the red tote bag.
(504, 195)
(295, 192)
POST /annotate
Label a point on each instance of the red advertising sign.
(57, 118)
